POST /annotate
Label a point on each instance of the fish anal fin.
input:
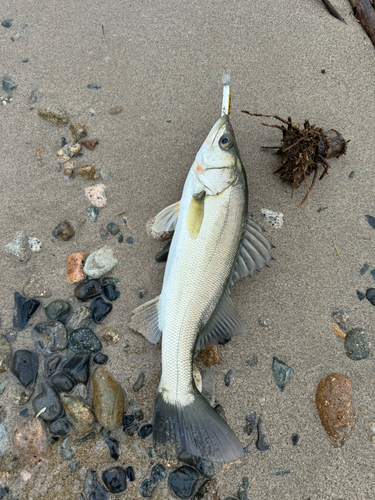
(224, 323)
(145, 320)
(166, 220)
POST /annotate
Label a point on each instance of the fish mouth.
(215, 129)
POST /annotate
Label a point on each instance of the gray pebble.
(357, 344)
(7, 83)
(16, 248)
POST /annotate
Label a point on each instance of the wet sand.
(163, 62)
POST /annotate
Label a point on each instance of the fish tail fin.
(195, 429)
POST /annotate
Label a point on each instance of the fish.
(215, 244)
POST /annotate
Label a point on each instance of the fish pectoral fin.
(145, 320)
(166, 220)
(253, 252)
(195, 213)
(224, 323)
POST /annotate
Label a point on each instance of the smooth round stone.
(56, 335)
(25, 308)
(57, 309)
(108, 399)
(182, 481)
(357, 344)
(47, 398)
(63, 231)
(370, 295)
(110, 292)
(77, 367)
(60, 427)
(100, 262)
(131, 421)
(79, 413)
(115, 479)
(5, 354)
(100, 309)
(84, 340)
(100, 358)
(50, 364)
(25, 366)
(61, 382)
(30, 440)
(130, 473)
(87, 290)
(92, 213)
(92, 489)
(145, 431)
(113, 228)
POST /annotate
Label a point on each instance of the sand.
(163, 62)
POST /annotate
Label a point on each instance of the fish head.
(218, 162)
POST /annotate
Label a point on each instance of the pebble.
(77, 367)
(35, 244)
(87, 290)
(261, 441)
(5, 354)
(25, 366)
(94, 86)
(35, 286)
(281, 373)
(276, 219)
(110, 292)
(339, 333)
(139, 383)
(100, 262)
(67, 453)
(131, 421)
(62, 382)
(145, 431)
(3, 492)
(17, 248)
(92, 489)
(363, 269)
(78, 131)
(370, 219)
(87, 172)
(30, 440)
(8, 83)
(66, 153)
(108, 399)
(130, 473)
(47, 398)
(7, 23)
(63, 231)
(84, 340)
(115, 479)
(112, 444)
(252, 361)
(370, 295)
(113, 228)
(264, 321)
(96, 195)
(100, 358)
(54, 115)
(92, 213)
(74, 464)
(242, 490)
(80, 391)
(109, 335)
(295, 439)
(130, 240)
(357, 344)
(227, 378)
(158, 472)
(79, 413)
(5, 444)
(25, 308)
(183, 481)
(100, 309)
(79, 318)
(90, 144)
(210, 356)
(341, 318)
(147, 487)
(74, 267)
(57, 310)
(116, 110)
(203, 466)
(334, 404)
(68, 171)
(56, 334)
(162, 256)
(60, 427)
(250, 423)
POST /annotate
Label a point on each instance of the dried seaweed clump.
(304, 150)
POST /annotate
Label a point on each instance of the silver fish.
(215, 244)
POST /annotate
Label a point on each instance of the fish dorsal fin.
(145, 320)
(195, 213)
(224, 323)
(252, 253)
(166, 220)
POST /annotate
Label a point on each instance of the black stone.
(77, 367)
(145, 431)
(281, 373)
(87, 290)
(25, 308)
(112, 444)
(183, 481)
(351, 175)
(158, 472)
(63, 142)
(147, 487)
(110, 292)
(7, 23)
(47, 398)
(130, 473)
(130, 240)
(51, 363)
(100, 358)
(370, 295)
(25, 366)
(113, 228)
(93, 86)
(295, 439)
(360, 295)
(60, 427)
(25, 61)
(242, 490)
(261, 441)
(3, 491)
(120, 238)
(115, 479)
(84, 340)
(92, 489)
(139, 383)
(127, 420)
(371, 220)
(62, 382)
(357, 344)
(227, 378)
(131, 421)
(205, 467)
(58, 310)
(24, 413)
(250, 423)
(363, 269)
(162, 256)
(100, 309)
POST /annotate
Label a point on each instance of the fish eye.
(225, 141)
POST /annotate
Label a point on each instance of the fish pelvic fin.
(193, 429)
(166, 220)
(145, 320)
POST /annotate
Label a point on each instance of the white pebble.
(35, 244)
(276, 219)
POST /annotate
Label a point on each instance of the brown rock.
(54, 115)
(116, 110)
(74, 267)
(90, 143)
(334, 404)
(63, 231)
(87, 172)
(68, 152)
(78, 131)
(30, 440)
(210, 356)
(79, 413)
(337, 331)
(68, 170)
(108, 399)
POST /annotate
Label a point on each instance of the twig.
(334, 244)
(121, 213)
(365, 13)
(332, 10)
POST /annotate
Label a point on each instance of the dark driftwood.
(332, 10)
(365, 13)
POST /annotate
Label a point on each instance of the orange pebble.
(74, 267)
